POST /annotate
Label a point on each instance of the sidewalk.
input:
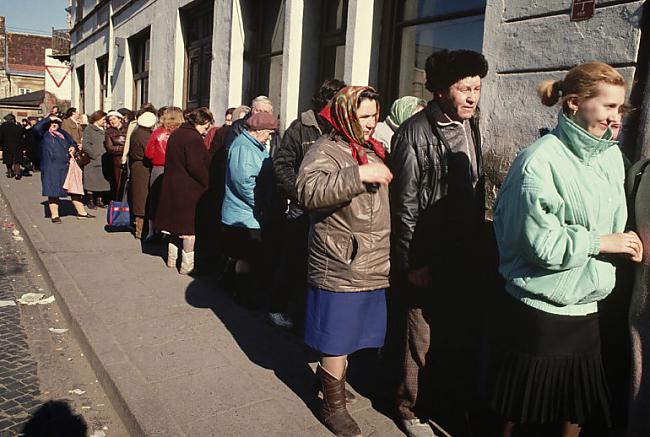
(176, 356)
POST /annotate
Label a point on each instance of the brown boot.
(139, 223)
(333, 412)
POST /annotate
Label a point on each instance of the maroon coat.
(184, 181)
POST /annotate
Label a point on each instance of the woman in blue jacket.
(56, 148)
(559, 220)
(239, 214)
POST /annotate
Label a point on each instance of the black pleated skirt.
(546, 368)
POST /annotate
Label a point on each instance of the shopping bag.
(118, 213)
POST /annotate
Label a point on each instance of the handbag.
(118, 213)
(82, 158)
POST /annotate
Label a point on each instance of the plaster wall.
(531, 42)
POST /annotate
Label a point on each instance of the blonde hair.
(581, 81)
(172, 118)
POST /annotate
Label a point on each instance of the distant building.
(222, 53)
(22, 69)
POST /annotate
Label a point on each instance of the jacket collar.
(253, 140)
(581, 143)
(308, 118)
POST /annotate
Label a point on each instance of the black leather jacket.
(436, 212)
(302, 133)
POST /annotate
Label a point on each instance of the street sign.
(582, 9)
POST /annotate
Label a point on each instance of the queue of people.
(366, 234)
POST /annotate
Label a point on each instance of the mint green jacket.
(560, 195)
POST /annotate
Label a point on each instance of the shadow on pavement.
(55, 418)
(65, 208)
(264, 345)
(286, 354)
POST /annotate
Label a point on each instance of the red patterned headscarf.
(341, 113)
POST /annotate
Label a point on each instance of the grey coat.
(639, 315)
(93, 143)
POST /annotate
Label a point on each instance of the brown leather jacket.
(350, 226)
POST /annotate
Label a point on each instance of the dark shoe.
(10, 174)
(334, 412)
(56, 220)
(18, 177)
(91, 204)
(100, 203)
(84, 216)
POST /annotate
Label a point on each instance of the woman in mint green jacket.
(559, 220)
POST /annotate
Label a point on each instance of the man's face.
(32, 121)
(262, 107)
(228, 119)
(55, 110)
(461, 99)
(367, 115)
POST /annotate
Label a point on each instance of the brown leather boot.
(333, 412)
(139, 223)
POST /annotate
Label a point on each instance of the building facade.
(222, 53)
(22, 69)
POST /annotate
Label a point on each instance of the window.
(264, 50)
(79, 11)
(81, 82)
(102, 74)
(334, 26)
(140, 49)
(197, 29)
(24, 90)
(425, 26)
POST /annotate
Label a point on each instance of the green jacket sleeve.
(537, 232)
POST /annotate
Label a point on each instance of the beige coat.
(350, 226)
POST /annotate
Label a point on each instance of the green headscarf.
(402, 109)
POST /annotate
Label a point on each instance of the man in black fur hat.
(438, 212)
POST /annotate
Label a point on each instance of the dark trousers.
(441, 349)
(290, 276)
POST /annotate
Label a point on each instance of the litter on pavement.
(7, 303)
(35, 298)
(58, 330)
(76, 391)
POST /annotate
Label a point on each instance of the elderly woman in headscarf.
(343, 183)
(401, 110)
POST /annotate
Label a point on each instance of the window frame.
(331, 38)
(258, 58)
(140, 51)
(102, 72)
(391, 45)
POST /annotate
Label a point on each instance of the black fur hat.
(444, 68)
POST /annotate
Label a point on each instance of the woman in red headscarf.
(343, 183)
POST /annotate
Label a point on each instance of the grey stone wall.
(526, 42)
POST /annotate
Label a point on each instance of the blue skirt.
(342, 323)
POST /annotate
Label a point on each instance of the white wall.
(58, 77)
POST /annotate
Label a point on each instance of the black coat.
(300, 135)
(186, 178)
(11, 141)
(436, 212)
